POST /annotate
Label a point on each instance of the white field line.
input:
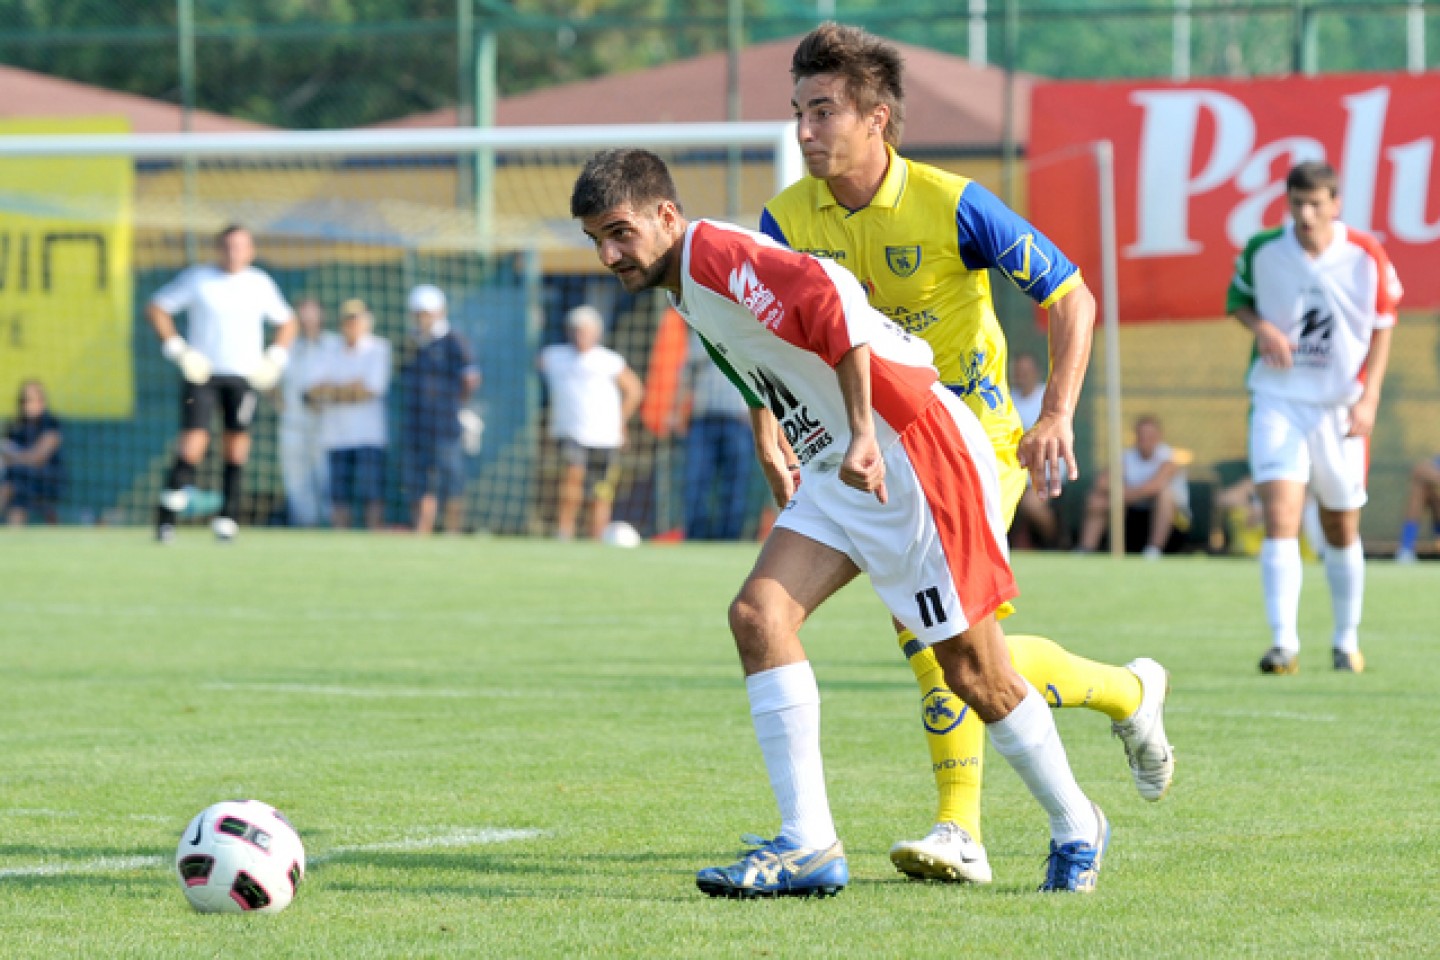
(335, 690)
(1258, 714)
(97, 865)
(458, 838)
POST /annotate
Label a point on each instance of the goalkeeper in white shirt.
(225, 362)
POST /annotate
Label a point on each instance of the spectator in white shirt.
(349, 390)
(304, 464)
(1157, 495)
(593, 393)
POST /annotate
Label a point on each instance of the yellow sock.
(956, 738)
(1066, 680)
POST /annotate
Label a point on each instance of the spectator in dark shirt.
(438, 375)
(30, 458)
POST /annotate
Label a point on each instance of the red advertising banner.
(1200, 167)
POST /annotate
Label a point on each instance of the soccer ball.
(620, 534)
(240, 856)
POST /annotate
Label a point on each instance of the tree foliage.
(335, 63)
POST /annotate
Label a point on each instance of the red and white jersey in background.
(1328, 306)
(782, 320)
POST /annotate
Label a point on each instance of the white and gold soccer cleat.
(1152, 759)
(947, 853)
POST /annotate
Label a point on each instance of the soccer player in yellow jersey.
(921, 240)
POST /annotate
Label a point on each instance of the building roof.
(25, 93)
(949, 102)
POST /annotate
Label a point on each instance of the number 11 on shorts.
(931, 612)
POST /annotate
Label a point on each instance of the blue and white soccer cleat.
(778, 868)
(1074, 867)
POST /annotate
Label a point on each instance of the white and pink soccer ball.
(240, 856)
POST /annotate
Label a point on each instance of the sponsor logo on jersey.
(747, 289)
(942, 711)
(1025, 263)
(836, 255)
(916, 321)
(1316, 325)
(903, 261)
(806, 435)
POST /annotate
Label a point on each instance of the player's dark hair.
(871, 68)
(1313, 175)
(228, 229)
(613, 178)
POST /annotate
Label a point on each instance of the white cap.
(582, 315)
(426, 298)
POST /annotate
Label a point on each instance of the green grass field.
(511, 749)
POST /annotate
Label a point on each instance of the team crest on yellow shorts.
(942, 711)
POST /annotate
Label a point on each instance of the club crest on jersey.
(747, 290)
(903, 261)
(942, 710)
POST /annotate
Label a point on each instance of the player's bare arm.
(1362, 414)
(863, 467)
(161, 322)
(775, 461)
(287, 333)
(1272, 345)
(1052, 438)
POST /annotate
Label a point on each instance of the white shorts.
(936, 553)
(1306, 442)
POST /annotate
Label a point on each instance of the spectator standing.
(1320, 298)
(719, 451)
(349, 390)
(439, 374)
(224, 362)
(1157, 495)
(304, 464)
(31, 468)
(593, 394)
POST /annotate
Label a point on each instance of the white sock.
(1281, 573)
(785, 707)
(1345, 569)
(1027, 738)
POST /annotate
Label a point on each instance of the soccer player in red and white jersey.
(899, 481)
(1320, 298)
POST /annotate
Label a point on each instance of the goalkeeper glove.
(193, 365)
(267, 372)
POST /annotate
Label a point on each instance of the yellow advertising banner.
(66, 315)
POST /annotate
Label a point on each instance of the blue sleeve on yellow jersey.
(770, 228)
(993, 235)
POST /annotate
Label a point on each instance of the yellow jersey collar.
(891, 188)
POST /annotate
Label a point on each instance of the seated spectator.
(1424, 497)
(1035, 523)
(1237, 523)
(30, 461)
(1157, 496)
(349, 388)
